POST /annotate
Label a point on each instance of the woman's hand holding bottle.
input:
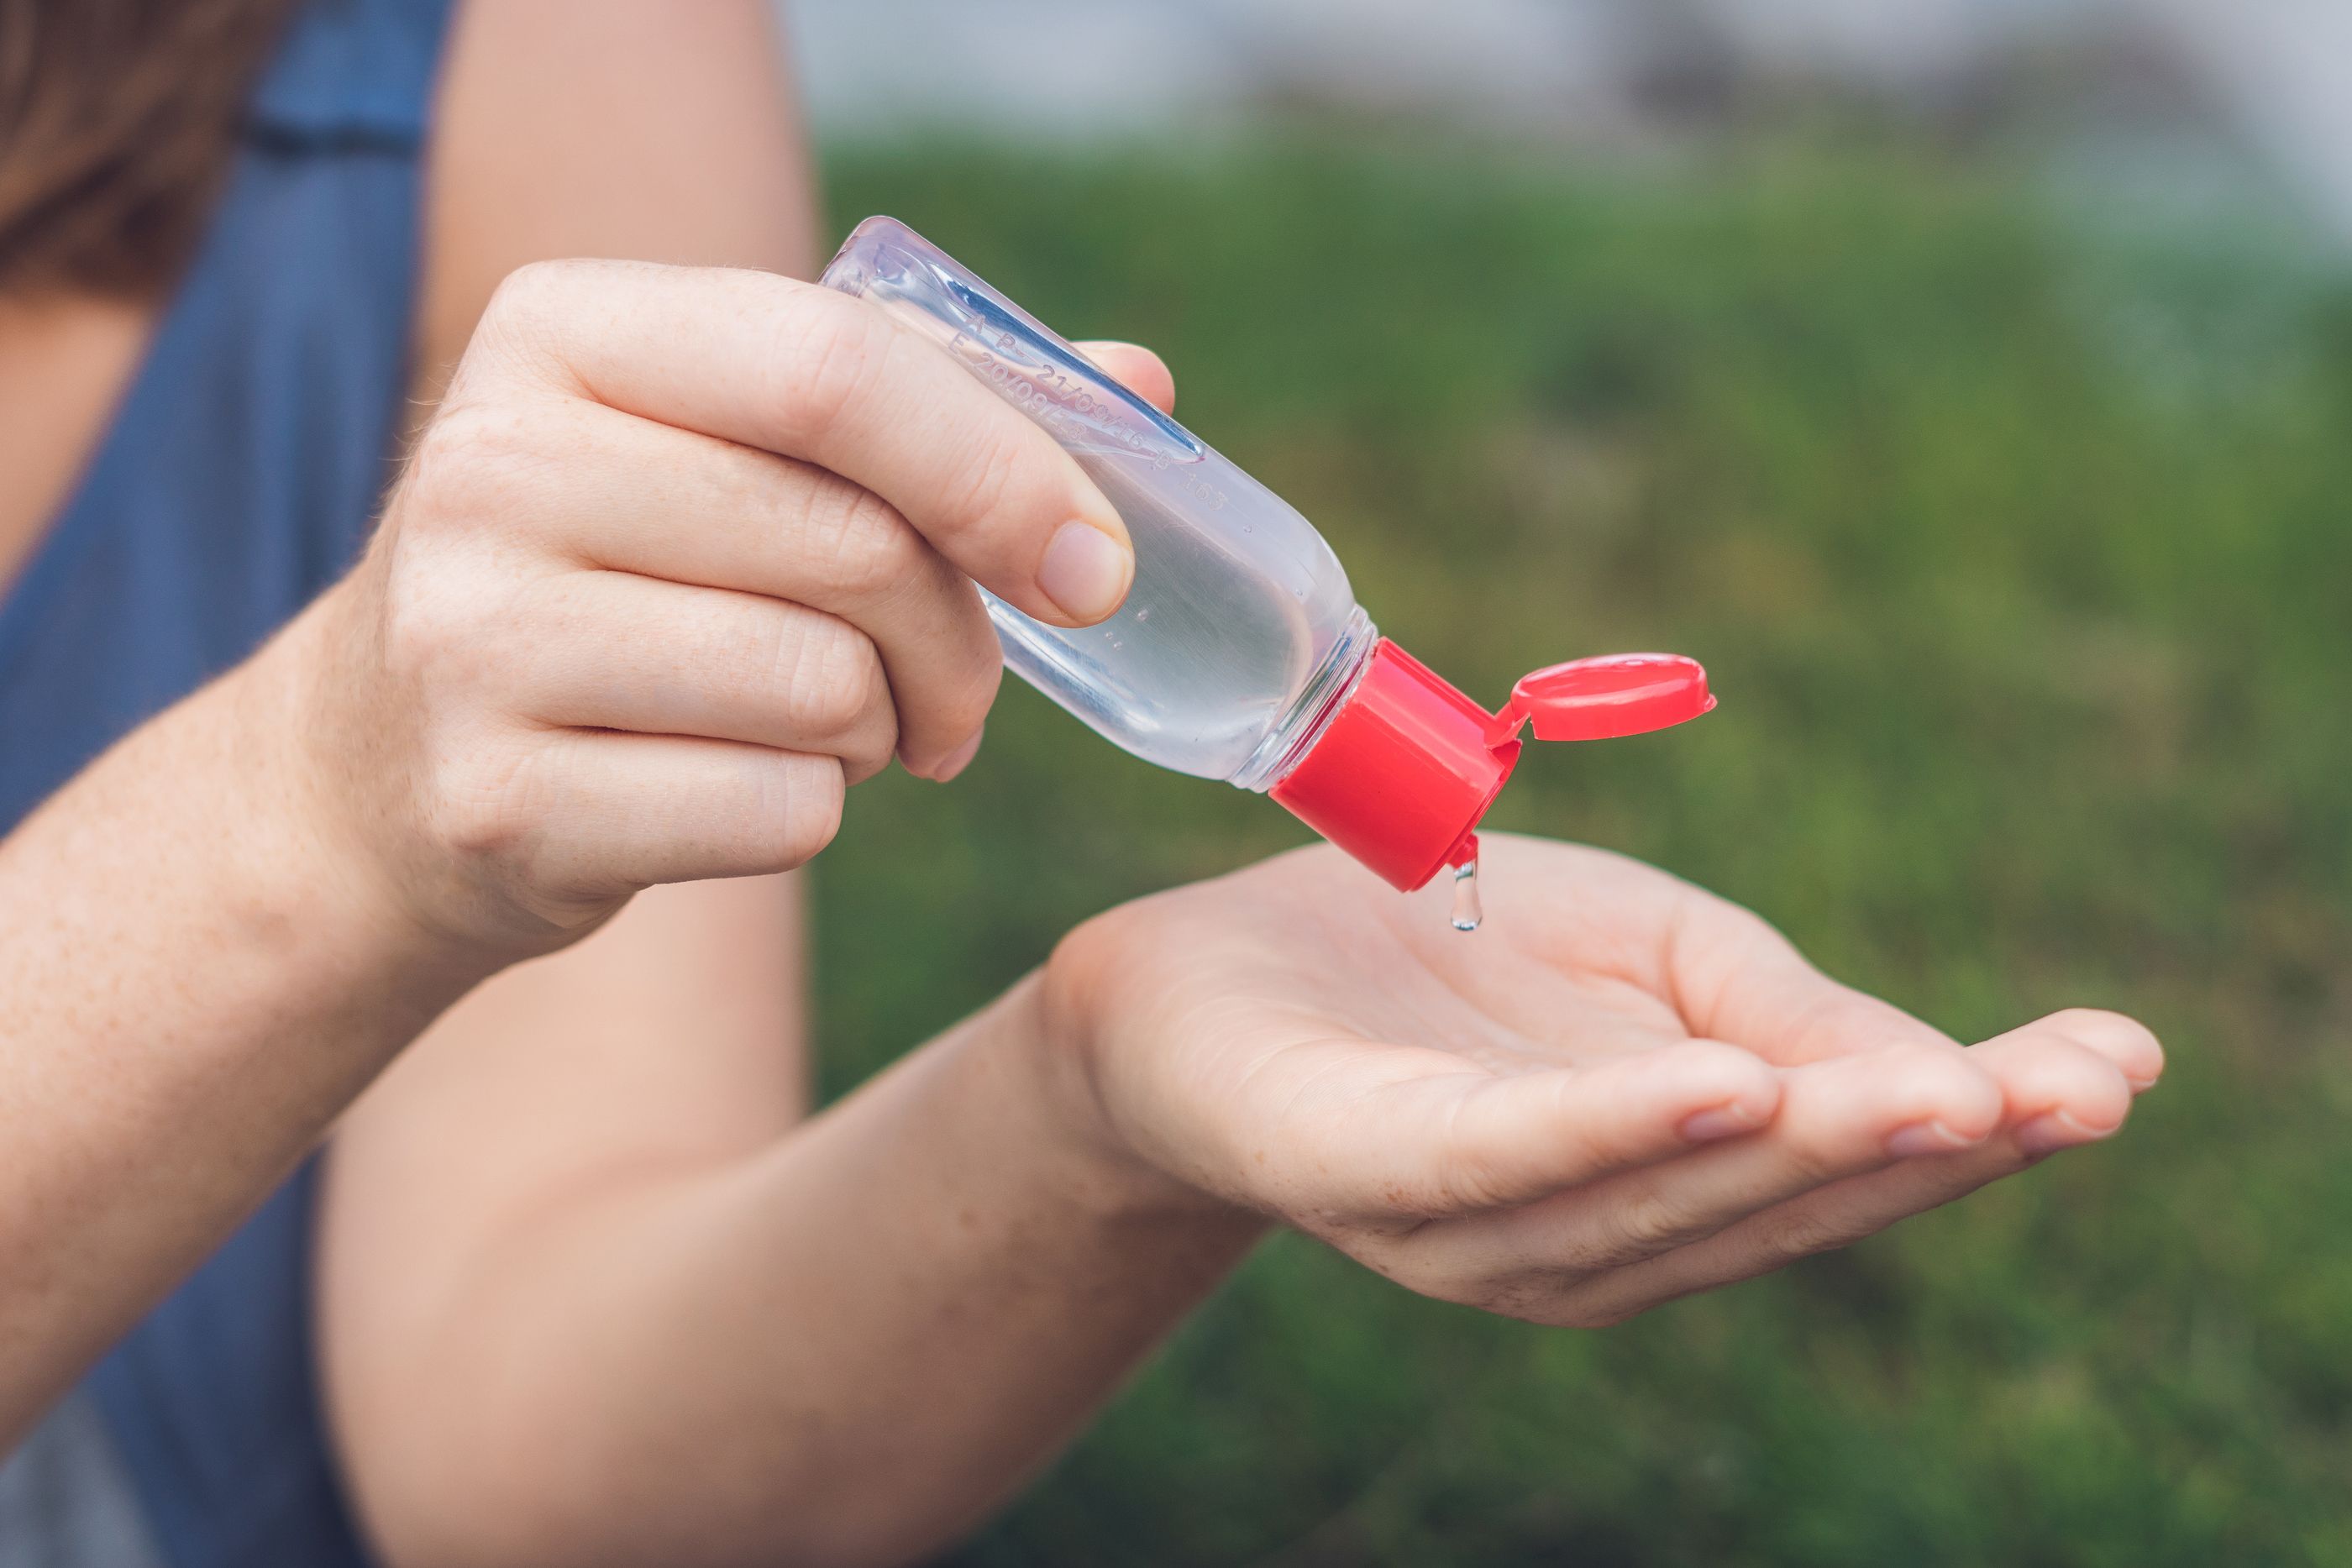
(683, 554)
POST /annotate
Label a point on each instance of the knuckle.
(525, 313)
(832, 348)
(1641, 1223)
(1927, 1072)
(2109, 1033)
(989, 481)
(525, 290)
(431, 630)
(418, 639)
(464, 468)
(862, 761)
(532, 289)
(1471, 1181)
(1806, 1233)
(870, 735)
(443, 461)
(871, 552)
(828, 676)
(485, 802)
(2065, 1068)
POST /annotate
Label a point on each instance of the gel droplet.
(1467, 913)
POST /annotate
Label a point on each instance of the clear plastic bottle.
(1240, 626)
(1241, 653)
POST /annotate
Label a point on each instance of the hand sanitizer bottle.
(1241, 653)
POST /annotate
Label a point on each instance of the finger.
(2058, 1089)
(1457, 1143)
(1838, 1119)
(812, 373)
(2046, 1077)
(1136, 368)
(607, 649)
(627, 811)
(2134, 1048)
(1821, 1221)
(649, 499)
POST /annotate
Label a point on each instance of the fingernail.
(959, 759)
(1084, 571)
(1926, 1138)
(1723, 1122)
(2056, 1130)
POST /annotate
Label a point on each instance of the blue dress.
(237, 481)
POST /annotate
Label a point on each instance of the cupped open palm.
(1621, 1091)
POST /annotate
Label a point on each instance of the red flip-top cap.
(1407, 767)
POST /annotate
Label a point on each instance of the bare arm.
(193, 982)
(600, 1302)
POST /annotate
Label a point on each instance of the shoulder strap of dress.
(354, 73)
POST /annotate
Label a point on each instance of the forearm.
(191, 987)
(843, 1350)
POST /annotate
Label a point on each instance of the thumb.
(1136, 368)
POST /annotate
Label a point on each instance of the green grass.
(2023, 560)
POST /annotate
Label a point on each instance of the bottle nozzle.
(1407, 767)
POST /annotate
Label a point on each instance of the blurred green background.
(2019, 552)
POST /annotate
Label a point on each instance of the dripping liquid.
(1467, 914)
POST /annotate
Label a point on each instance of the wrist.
(294, 761)
(1047, 1035)
(187, 860)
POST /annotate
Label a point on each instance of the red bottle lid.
(1407, 767)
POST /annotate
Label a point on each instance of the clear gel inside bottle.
(1240, 632)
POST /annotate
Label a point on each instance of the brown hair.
(118, 119)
